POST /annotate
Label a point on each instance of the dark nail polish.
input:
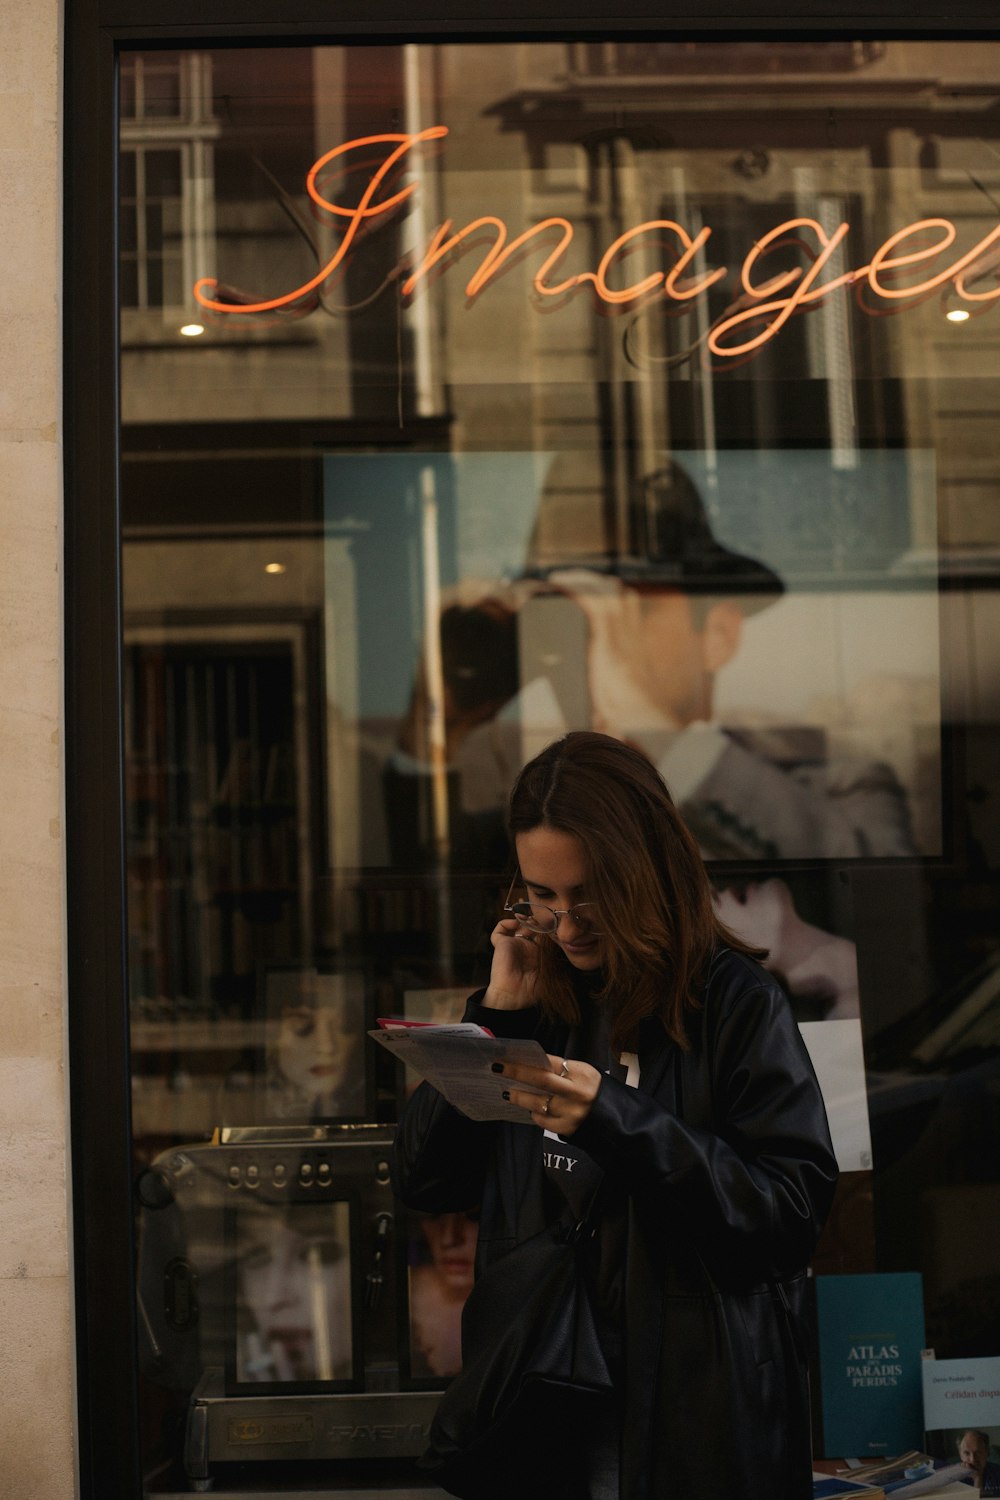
(497, 1067)
(506, 1095)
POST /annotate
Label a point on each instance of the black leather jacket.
(724, 1172)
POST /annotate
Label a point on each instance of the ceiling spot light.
(958, 315)
(274, 567)
(192, 330)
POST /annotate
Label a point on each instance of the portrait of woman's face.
(293, 1296)
(315, 1056)
(316, 1047)
(442, 1271)
(451, 1239)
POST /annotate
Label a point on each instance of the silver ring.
(545, 1107)
(565, 1070)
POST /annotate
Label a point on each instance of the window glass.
(472, 393)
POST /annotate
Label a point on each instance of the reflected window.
(166, 170)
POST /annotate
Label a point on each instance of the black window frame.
(94, 33)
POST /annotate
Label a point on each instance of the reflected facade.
(472, 393)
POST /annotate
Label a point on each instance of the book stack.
(908, 1477)
(893, 1473)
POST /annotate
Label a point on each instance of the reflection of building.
(167, 172)
(224, 443)
(830, 382)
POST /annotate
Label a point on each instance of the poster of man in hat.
(771, 689)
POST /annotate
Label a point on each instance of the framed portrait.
(289, 1300)
(315, 1067)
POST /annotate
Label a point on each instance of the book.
(458, 1060)
(961, 1400)
(871, 1335)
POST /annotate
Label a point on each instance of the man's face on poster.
(681, 644)
(653, 650)
(972, 1452)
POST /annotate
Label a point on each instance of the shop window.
(506, 408)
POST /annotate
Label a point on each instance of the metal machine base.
(238, 1429)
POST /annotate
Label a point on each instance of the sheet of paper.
(458, 1060)
(838, 1057)
(941, 1482)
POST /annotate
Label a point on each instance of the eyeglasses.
(542, 918)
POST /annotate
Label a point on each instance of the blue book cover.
(834, 1489)
(871, 1333)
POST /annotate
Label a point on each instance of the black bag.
(534, 1378)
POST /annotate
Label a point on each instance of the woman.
(678, 1080)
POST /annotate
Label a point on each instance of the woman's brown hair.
(644, 873)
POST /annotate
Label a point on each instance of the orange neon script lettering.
(956, 272)
(649, 283)
(771, 303)
(497, 255)
(366, 209)
(783, 307)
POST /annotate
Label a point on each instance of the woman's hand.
(570, 1089)
(515, 966)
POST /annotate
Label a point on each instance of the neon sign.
(768, 302)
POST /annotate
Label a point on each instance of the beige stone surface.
(33, 1190)
(36, 1356)
(36, 1431)
(32, 1092)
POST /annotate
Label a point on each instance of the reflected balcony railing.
(645, 59)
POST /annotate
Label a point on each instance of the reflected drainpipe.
(426, 338)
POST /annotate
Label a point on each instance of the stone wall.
(36, 1347)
